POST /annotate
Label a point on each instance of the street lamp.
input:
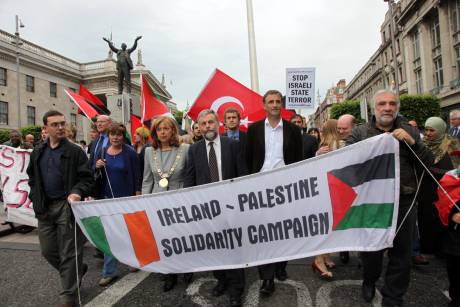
(18, 42)
(393, 45)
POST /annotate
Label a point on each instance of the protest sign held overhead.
(300, 88)
(321, 205)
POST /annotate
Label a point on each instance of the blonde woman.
(330, 141)
(164, 165)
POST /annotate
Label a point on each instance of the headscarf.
(442, 143)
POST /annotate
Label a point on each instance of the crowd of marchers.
(166, 157)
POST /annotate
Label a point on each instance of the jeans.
(110, 268)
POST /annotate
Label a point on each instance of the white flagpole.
(252, 48)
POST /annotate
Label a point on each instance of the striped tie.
(213, 169)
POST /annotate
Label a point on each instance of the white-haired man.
(454, 118)
(397, 275)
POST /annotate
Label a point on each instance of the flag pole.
(252, 48)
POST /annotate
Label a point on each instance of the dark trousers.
(453, 272)
(234, 280)
(56, 233)
(124, 75)
(397, 275)
(267, 271)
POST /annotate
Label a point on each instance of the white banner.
(300, 88)
(15, 185)
(343, 201)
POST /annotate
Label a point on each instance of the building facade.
(427, 44)
(45, 75)
(333, 95)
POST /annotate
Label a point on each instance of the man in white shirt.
(272, 143)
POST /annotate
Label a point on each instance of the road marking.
(303, 295)
(193, 291)
(323, 296)
(118, 290)
(446, 293)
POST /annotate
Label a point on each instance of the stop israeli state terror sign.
(300, 88)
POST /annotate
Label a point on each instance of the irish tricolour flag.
(109, 233)
(362, 195)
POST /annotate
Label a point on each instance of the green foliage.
(178, 116)
(4, 135)
(419, 107)
(34, 130)
(347, 107)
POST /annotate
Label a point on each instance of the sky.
(187, 39)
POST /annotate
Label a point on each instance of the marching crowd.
(167, 158)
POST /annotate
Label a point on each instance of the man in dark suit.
(212, 159)
(272, 143)
(309, 143)
(232, 119)
(454, 118)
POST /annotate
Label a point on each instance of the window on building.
(53, 89)
(457, 54)
(398, 46)
(455, 16)
(438, 73)
(3, 76)
(418, 81)
(3, 113)
(73, 119)
(30, 115)
(435, 32)
(416, 44)
(30, 84)
(401, 74)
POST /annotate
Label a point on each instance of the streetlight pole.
(393, 45)
(18, 92)
(252, 48)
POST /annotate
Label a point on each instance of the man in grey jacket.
(397, 276)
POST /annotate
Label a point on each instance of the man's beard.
(210, 135)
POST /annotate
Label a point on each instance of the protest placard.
(15, 185)
(300, 88)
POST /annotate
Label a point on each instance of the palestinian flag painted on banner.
(105, 233)
(362, 195)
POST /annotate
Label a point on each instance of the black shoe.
(219, 289)
(368, 292)
(281, 274)
(235, 301)
(84, 269)
(344, 257)
(268, 287)
(99, 254)
(188, 278)
(169, 284)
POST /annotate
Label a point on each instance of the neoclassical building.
(427, 43)
(44, 75)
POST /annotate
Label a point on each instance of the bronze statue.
(124, 63)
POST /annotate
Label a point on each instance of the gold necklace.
(163, 183)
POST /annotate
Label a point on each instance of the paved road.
(27, 280)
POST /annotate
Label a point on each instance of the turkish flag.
(222, 92)
(81, 103)
(150, 105)
(93, 100)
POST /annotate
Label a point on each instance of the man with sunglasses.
(59, 174)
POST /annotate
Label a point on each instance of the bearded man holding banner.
(211, 159)
(411, 150)
(272, 143)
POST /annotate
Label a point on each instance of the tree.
(419, 107)
(347, 107)
(36, 131)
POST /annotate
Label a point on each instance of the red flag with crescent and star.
(222, 92)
